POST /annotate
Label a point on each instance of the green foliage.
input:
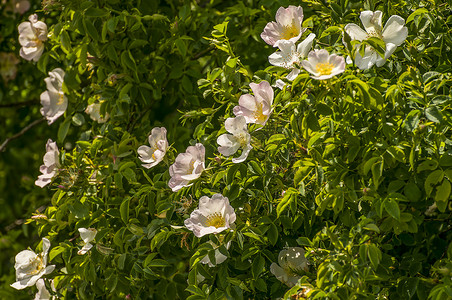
(356, 169)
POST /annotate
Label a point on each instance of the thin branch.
(18, 103)
(22, 132)
(202, 53)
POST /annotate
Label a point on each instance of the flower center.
(289, 32)
(216, 220)
(259, 114)
(324, 68)
(372, 32)
(60, 99)
(35, 266)
(191, 166)
(242, 139)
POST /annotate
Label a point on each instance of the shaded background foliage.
(343, 168)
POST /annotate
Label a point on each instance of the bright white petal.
(355, 32)
(305, 46)
(395, 31)
(292, 75)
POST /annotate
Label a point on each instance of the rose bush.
(345, 194)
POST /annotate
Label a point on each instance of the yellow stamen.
(216, 220)
(36, 265)
(289, 32)
(258, 114)
(60, 99)
(324, 68)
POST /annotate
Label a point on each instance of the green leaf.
(258, 266)
(433, 179)
(96, 12)
(312, 121)
(128, 61)
(374, 255)
(433, 114)
(272, 234)
(412, 120)
(182, 47)
(158, 263)
(289, 196)
(392, 208)
(377, 171)
(417, 12)
(63, 129)
(91, 29)
(442, 195)
(65, 41)
(428, 164)
(124, 210)
(56, 251)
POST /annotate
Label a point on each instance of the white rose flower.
(51, 164)
(187, 167)
(291, 263)
(43, 293)
(31, 266)
(93, 110)
(31, 36)
(289, 57)
(219, 257)
(393, 34)
(213, 215)
(87, 235)
(54, 102)
(287, 26)
(323, 65)
(258, 108)
(240, 138)
(151, 156)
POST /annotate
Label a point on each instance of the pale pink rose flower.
(32, 34)
(292, 263)
(31, 266)
(393, 34)
(187, 167)
(213, 215)
(258, 108)
(21, 6)
(287, 26)
(289, 56)
(51, 164)
(54, 102)
(8, 69)
(87, 235)
(151, 156)
(240, 138)
(322, 65)
(93, 110)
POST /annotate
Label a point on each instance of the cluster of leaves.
(346, 168)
